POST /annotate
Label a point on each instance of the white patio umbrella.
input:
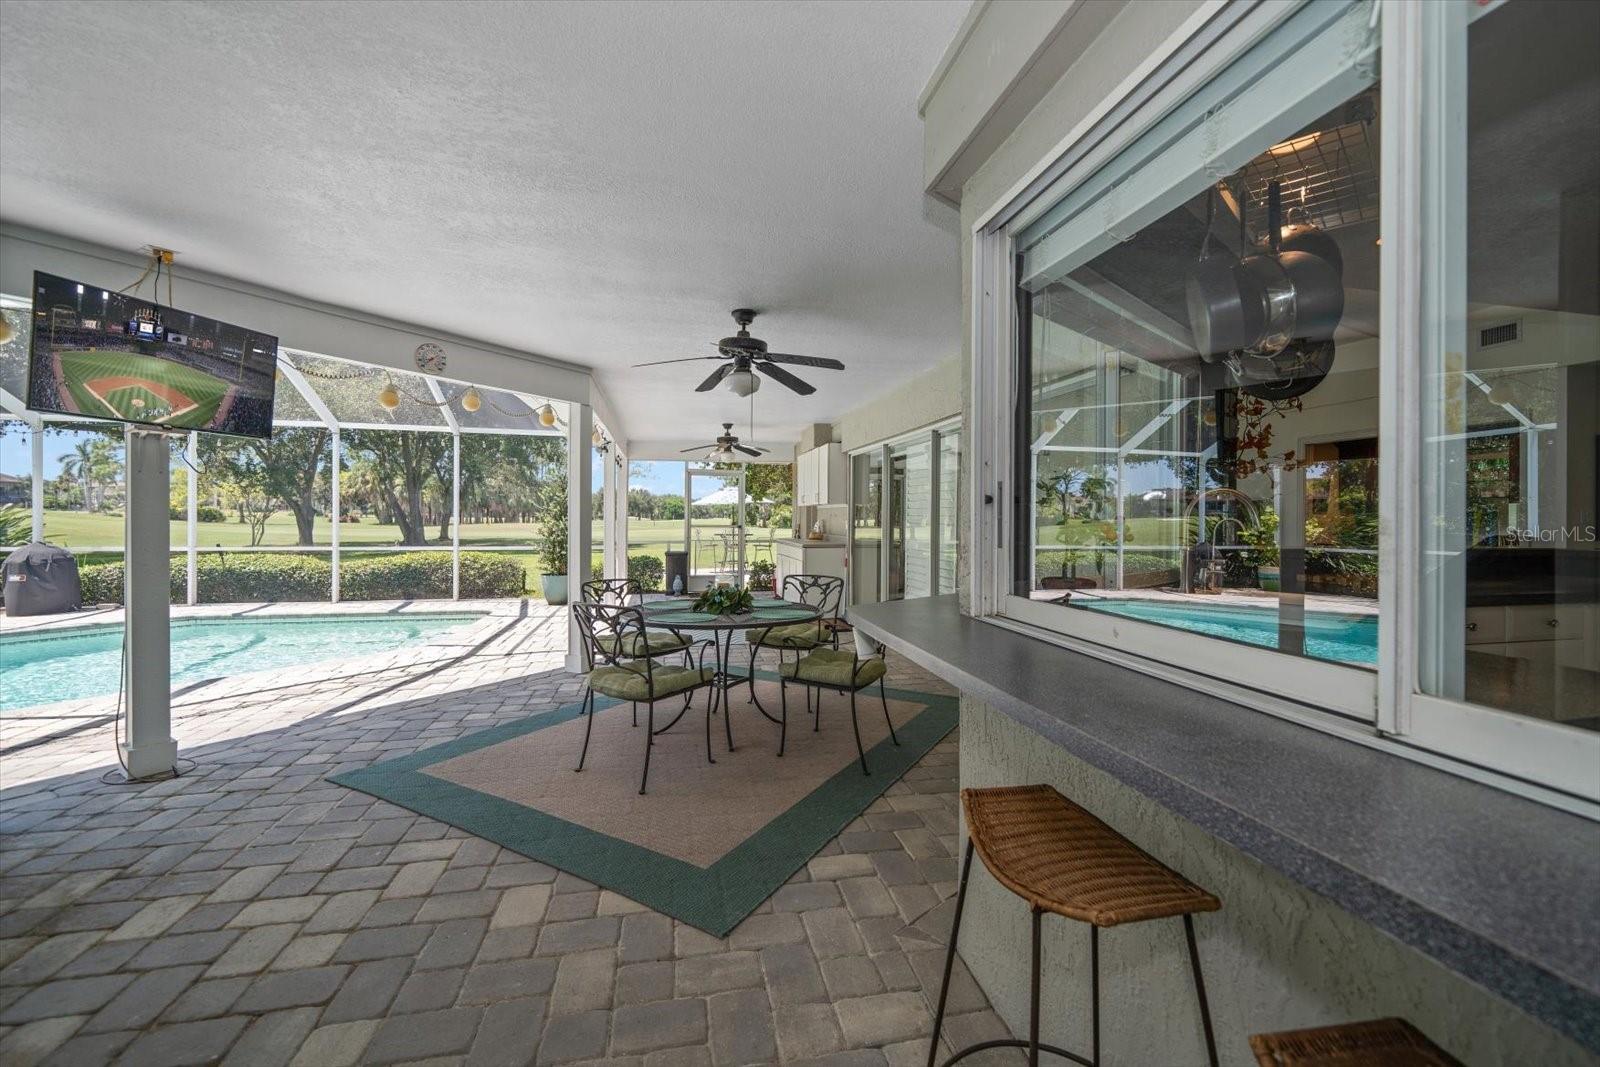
(728, 494)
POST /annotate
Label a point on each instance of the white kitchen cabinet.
(822, 477)
(805, 557)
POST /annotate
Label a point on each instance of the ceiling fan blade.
(783, 377)
(749, 451)
(805, 361)
(715, 377)
(664, 362)
(697, 448)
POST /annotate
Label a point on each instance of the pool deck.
(45, 740)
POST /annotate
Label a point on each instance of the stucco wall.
(1275, 957)
(926, 399)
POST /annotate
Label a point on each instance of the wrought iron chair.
(604, 628)
(844, 672)
(625, 592)
(822, 591)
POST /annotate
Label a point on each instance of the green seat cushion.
(631, 683)
(827, 667)
(795, 635)
(650, 643)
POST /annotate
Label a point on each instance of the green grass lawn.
(80, 531)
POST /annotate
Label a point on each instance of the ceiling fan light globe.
(743, 382)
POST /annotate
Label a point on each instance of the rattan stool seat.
(1375, 1043)
(1061, 859)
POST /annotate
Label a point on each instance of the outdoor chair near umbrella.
(605, 627)
(840, 671)
(625, 592)
(821, 591)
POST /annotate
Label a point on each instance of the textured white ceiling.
(599, 182)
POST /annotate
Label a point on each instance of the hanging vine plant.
(1254, 419)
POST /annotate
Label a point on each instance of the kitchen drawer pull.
(1472, 626)
(1552, 622)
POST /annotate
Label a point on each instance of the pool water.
(1329, 635)
(71, 665)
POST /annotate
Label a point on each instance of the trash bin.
(677, 576)
(41, 579)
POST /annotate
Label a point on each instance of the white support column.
(334, 513)
(455, 515)
(149, 750)
(36, 447)
(455, 484)
(580, 512)
(191, 453)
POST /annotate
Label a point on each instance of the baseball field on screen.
(139, 388)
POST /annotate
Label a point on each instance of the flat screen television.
(106, 355)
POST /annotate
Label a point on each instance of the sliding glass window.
(1197, 369)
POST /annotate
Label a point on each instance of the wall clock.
(430, 358)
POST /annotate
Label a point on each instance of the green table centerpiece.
(725, 600)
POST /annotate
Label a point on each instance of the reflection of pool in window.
(1344, 638)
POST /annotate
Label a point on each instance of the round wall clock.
(430, 357)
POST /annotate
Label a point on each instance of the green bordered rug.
(709, 841)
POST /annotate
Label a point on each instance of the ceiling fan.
(745, 354)
(723, 449)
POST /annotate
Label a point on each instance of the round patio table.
(678, 614)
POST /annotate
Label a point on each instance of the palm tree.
(81, 464)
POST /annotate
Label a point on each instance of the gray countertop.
(1501, 890)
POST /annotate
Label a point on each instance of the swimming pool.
(1329, 635)
(73, 664)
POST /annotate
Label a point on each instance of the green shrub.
(647, 571)
(16, 524)
(248, 577)
(426, 575)
(202, 513)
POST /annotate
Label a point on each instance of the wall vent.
(1503, 334)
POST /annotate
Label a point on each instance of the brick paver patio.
(250, 912)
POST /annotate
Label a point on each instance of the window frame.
(1550, 762)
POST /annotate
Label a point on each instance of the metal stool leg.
(1094, 994)
(783, 713)
(1033, 994)
(1200, 991)
(950, 956)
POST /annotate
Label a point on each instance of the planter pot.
(1267, 579)
(555, 588)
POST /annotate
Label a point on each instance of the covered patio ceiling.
(598, 183)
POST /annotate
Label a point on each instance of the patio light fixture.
(743, 382)
(470, 400)
(547, 415)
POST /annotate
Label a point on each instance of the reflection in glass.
(1200, 441)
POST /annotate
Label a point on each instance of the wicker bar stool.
(1059, 858)
(1374, 1043)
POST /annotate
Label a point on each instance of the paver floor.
(249, 912)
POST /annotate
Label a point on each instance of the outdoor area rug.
(709, 842)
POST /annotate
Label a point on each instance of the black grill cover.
(41, 579)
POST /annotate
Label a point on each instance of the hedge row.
(247, 577)
(647, 571)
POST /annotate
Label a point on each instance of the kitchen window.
(1223, 391)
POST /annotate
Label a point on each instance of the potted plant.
(1263, 552)
(725, 600)
(764, 575)
(553, 539)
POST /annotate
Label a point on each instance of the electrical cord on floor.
(119, 734)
